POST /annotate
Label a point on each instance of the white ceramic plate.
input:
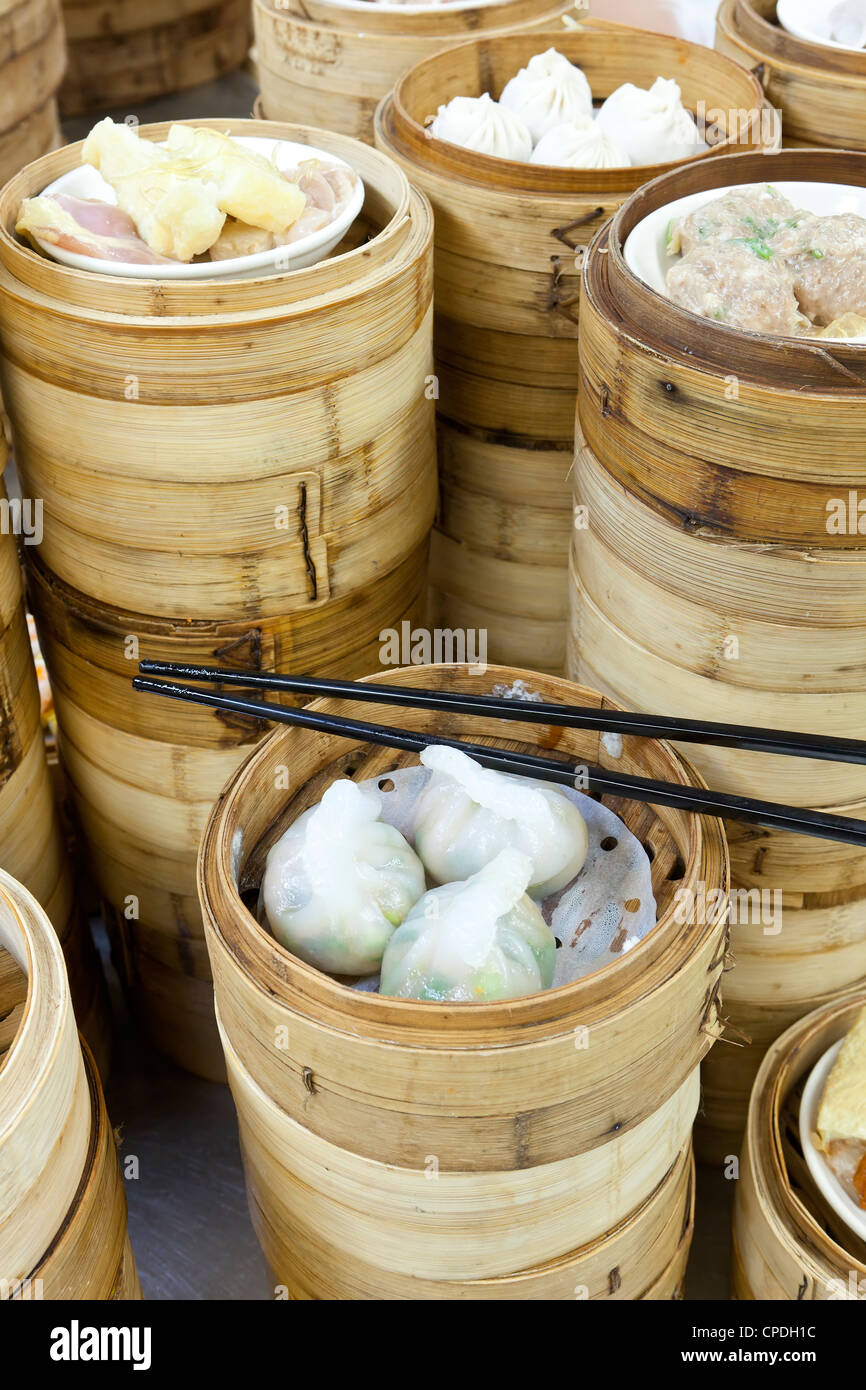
(645, 249)
(87, 182)
(800, 17)
(819, 1168)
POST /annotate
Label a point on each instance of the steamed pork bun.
(339, 881)
(470, 942)
(548, 92)
(481, 124)
(653, 127)
(467, 814)
(579, 147)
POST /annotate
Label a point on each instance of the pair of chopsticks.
(603, 781)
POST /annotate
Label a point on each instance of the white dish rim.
(821, 1172)
(783, 7)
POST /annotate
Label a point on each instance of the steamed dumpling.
(467, 814)
(579, 147)
(483, 125)
(339, 881)
(550, 91)
(470, 942)
(652, 126)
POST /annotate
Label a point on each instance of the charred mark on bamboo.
(614, 1280)
(669, 389)
(244, 651)
(305, 542)
(309, 1082)
(560, 297)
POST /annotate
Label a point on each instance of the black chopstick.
(603, 781)
(680, 729)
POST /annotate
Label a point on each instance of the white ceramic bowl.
(87, 182)
(800, 18)
(823, 1175)
(645, 249)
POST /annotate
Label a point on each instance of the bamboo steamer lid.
(821, 91)
(32, 60)
(788, 1241)
(123, 52)
(292, 406)
(369, 1087)
(509, 243)
(330, 63)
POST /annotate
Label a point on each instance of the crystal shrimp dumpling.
(339, 881)
(467, 814)
(475, 941)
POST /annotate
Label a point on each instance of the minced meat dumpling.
(826, 257)
(740, 286)
(751, 215)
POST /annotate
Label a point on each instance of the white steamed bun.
(548, 92)
(481, 124)
(652, 126)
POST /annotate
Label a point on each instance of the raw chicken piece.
(827, 260)
(86, 226)
(755, 213)
(738, 285)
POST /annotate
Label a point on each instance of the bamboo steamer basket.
(314, 411)
(509, 242)
(62, 1206)
(788, 1241)
(32, 60)
(329, 62)
(123, 52)
(339, 1127)
(821, 91)
(144, 785)
(705, 523)
(33, 843)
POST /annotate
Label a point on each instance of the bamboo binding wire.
(123, 52)
(330, 62)
(32, 60)
(821, 91)
(706, 582)
(788, 1241)
(62, 1205)
(345, 1099)
(315, 412)
(33, 841)
(509, 240)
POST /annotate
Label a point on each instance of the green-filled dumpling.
(478, 940)
(339, 881)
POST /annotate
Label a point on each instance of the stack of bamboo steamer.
(33, 842)
(708, 582)
(62, 1206)
(820, 90)
(509, 243)
(538, 1148)
(262, 497)
(330, 62)
(789, 1243)
(122, 52)
(32, 60)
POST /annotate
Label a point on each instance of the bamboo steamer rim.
(176, 300)
(747, 19)
(455, 17)
(643, 315)
(274, 972)
(793, 1224)
(26, 934)
(398, 114)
